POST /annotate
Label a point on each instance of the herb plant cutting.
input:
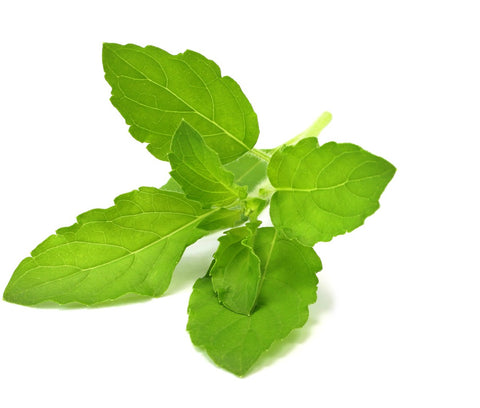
(262, 279)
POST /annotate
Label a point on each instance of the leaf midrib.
(348, 180)
(180, 99)
(211, 177)
(132, 253)
(267, 263)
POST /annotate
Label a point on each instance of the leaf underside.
(325, 191)
(133, 246)
(235, 341)
(154, 91)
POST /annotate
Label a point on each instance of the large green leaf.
(133, 246)
(235, 341)
(198, 169)
(325, 191)
(154, 91)
(236, 274)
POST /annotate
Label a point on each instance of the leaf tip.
(106, 46)
(6, 296)
(10, 295)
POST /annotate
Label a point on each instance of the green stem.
(260, 154)
(258, 199)
(264, 190)
(314, 130)
(267, 263)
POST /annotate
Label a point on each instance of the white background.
(397, 321)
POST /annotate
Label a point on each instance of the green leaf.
(133, 246)
(248, 170)
(198, 169)
(236, 274)
(172, 185)
(235, 341)
(223, 218)
(325, 191)
(154, 91)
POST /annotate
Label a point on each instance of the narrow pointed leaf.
(236, 273)
(154, 91)
(133, 246)
(197, 168)
(325, 191)
(235, 341)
